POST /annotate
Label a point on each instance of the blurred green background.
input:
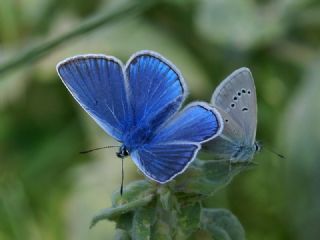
(49, 191)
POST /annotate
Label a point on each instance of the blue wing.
(197, 123)
(177, 143)
(164, 161)
(157, 89)
(97, 82)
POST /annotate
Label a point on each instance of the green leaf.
(166, 223)
(188, 220)
(122, 235)
(135, 195)
(143, 219)
(133, 191)
(114, 212)
(124, 221)
(161, 231)
(207, 177)
(222, 224)
(167, 199)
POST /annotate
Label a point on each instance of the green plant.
(148, 210)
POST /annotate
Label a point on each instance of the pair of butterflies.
(138, 105)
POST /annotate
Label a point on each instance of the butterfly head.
(123, 152)
(258, 146)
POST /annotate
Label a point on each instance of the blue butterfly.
(138, 105)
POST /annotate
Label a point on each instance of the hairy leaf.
(143, 219)
(122, 235)
(188, 220)
(222, 224)
(113, 213)
(124, 221)
(161, 231)
(207, 177)
(132, 192)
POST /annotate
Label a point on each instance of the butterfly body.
(242, 153)
(138, 105)
(235, 98)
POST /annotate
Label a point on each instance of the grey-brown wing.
(236, 97)
(226, 144)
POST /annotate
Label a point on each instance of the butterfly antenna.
(122, 177)
(275, 153)
(94, 149)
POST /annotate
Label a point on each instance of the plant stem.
(41, 50)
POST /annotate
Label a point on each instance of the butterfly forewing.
(98, 84)
(236, 97)
(157, 89)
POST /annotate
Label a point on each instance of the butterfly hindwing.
(162, 162)
(98, 84)
(197, 122)
(225, 145)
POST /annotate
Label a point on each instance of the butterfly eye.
(126, 153)
(239, 93)
(227, 120)
(235, 98)
(232, 105)
(249, 92)
(243, 90)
